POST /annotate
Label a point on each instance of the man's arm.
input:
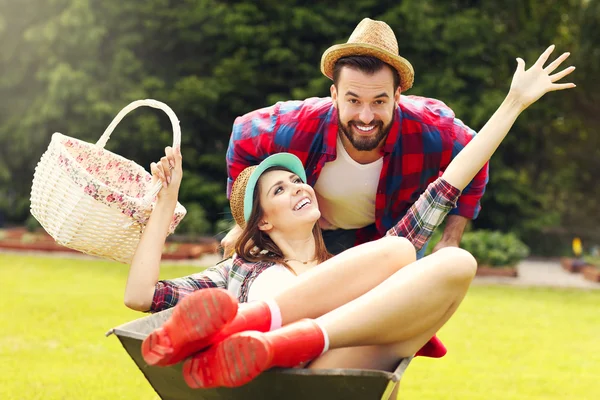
(427, 213)
(250, 142)
(229, 241)
(285, 126)
(455, 227)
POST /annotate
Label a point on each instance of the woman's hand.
(168, 170)
(529, 85)
(526, 88)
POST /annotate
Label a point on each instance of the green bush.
(195, 222)
(493, 248)
(593, 260)
(32, 224)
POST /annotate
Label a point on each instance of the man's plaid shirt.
(237, 275)
(424, 137)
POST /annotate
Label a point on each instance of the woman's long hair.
(255, 245)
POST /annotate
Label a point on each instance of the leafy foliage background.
(70, 65)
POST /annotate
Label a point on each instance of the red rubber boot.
(434, 348)
(203, 318)
(242, 357)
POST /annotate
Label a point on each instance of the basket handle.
(132, 106)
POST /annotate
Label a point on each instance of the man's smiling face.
(365, 104)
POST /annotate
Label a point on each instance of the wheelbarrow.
(275, 384)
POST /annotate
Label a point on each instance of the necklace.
(303, 262)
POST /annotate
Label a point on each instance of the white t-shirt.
(346, 191)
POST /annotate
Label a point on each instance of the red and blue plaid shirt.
(425, 136)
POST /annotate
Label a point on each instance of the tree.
(71, 65)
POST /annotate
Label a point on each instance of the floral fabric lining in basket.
(114, 181)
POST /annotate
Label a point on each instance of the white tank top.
(346, 191)
(271, 282)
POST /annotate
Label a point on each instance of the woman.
(320, 308)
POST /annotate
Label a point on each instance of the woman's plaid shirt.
(237, 275)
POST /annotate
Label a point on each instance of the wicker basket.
(95, 201)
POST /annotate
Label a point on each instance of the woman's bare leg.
(344, 277)
(402, 313)
(317, 291)
(412, 305)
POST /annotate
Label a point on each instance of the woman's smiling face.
(286, 202)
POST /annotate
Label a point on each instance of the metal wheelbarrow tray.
(275, 384)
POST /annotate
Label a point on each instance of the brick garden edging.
(19, 239)
(591, 273)
(572, 265)
(485, 270)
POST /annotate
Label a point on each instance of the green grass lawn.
(504, 343)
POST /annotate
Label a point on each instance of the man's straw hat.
(371, 38)
(242, 193)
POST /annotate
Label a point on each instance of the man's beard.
(364, 143)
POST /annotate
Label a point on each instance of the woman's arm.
(527, 87)
(145, 265)
(428, 212)
(167, 293)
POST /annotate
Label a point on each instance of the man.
(368, 151)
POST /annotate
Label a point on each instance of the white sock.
(325, 337)
(275, 314)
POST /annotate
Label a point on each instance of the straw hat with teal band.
(242, 192)
(371, 38)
